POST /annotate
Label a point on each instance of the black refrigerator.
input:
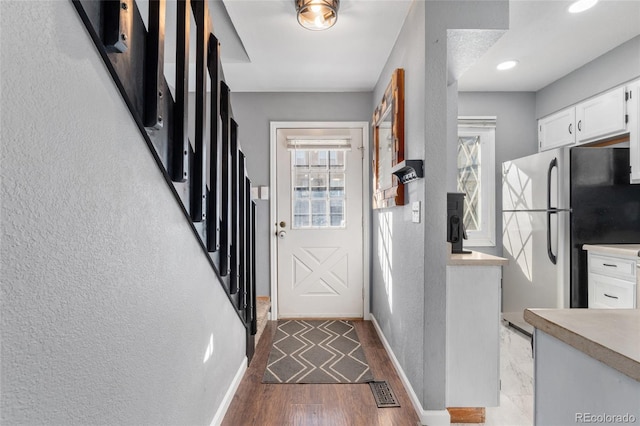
(605, 209)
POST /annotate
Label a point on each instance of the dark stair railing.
(209, 172)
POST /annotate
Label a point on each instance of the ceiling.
(283, 56)
(265, 49)
(549, 43)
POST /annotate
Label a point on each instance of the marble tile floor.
(516, 373)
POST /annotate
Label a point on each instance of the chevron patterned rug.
(316, 352)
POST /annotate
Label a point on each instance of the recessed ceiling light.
(506, 65)
(581, 5)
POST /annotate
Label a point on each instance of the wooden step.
(263, 308)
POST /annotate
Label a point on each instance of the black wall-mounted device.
(455, 227)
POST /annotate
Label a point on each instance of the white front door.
(319, 223)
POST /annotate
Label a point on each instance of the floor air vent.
(383, 394)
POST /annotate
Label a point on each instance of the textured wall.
(397, 244)
(516, 135)
(412, 315)
(614, 68)
(109, 307)
(259, 109)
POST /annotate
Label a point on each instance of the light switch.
(255, 192)
(264, 192)
(415, 212)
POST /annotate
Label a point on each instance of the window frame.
(485, 128)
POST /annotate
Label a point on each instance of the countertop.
(612, 336)
(475, 258)
(632, 250)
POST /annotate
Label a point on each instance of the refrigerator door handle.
(552, 257)
(553, 163)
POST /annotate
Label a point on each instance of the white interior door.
(319, 226)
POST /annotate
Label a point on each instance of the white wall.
(109, 306)
(254, 112)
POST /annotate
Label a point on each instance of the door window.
(318, 188)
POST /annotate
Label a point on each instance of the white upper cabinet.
(557, 130)
(601, 117)
(633, 111)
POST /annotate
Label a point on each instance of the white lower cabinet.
(572, 388)
(612, 281)
(473, 336)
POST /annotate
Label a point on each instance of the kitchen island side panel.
(571, 387)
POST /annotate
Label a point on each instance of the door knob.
(283, 224)
(282, 234)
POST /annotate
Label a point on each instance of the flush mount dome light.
(317, 15)
(582, 5)
(506, 65)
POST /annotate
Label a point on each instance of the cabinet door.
(601, 117)
(473, 336)
(557, 130)
(633, 111)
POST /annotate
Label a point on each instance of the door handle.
(281, 234)
(552, 257)
(610, 296)
(552, 164)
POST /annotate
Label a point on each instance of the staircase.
(206, 174)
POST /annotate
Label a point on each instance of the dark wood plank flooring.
(256, 403)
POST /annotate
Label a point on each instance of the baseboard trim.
(228, 397)
(427, 417)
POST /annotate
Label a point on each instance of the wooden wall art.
(388, 138)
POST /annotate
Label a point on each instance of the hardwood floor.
(256, 403)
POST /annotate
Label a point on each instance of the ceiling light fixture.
(581, 5)
(506, 65)
(317, 15)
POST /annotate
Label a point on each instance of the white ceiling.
(283, 56)
(286, 57)
(549, 43)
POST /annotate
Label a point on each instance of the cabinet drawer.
(613, 267)
(606, 292)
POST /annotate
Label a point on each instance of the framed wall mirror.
(388, 137)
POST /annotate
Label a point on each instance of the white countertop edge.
(475, 258)
(556, 323)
